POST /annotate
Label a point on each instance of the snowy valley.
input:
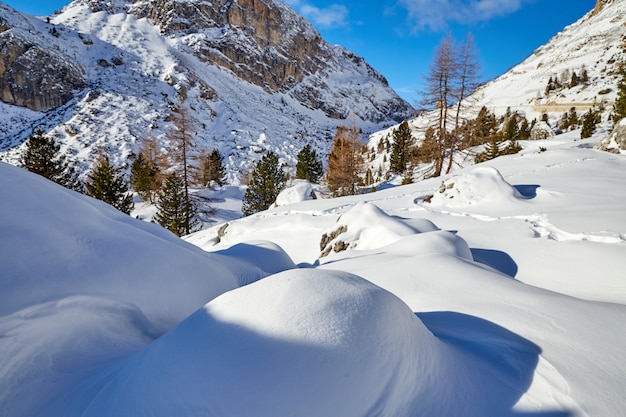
(496, 290)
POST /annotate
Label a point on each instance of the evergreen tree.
(401, 148)
(145, 177)
(524, 130)
(619, 108)
(484, 126)
(309, 167)
(106, 183)
(212, 168)
(175, 211)
(590, 120)
(268, 180)
(574, 81)
(42, 157)
(345, 162)
(573, 117)
(511, 131)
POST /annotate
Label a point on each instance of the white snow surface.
(511, 303)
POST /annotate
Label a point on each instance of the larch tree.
(439, 95)
(107, 183)
(181, 135)
(42, 156)
(466, 80)
(345, 162)
(451, 78)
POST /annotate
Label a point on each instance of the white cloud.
(436, 15)
(332, 16)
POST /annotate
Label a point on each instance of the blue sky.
(398, 37)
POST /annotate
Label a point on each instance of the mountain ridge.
(139, 65)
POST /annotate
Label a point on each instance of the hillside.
(501, 303)
(591, 48)
(254, 75)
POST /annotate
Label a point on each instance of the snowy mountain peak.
(254, 74)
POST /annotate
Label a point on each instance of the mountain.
(595, 44)
(254, 74)
(591, 48)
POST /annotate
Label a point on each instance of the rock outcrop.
(616, 141)
(32, 73)
(266, 43)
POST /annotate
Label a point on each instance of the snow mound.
(277, 347)
(365, 226)
(56, 243)
(50, 348)
(300, 191)
(481, 186)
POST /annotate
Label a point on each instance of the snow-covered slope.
(140, 58)
(595, 44)
(501, 304)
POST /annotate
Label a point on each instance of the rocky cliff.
(254, 75)
(34, 74)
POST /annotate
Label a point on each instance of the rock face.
(264, 42)
(32, 74)
(541, 131)
(616, 141)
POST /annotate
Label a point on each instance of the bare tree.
(468, 70)
(181, 135)
(452, 77)
(439, 94)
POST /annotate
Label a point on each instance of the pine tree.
(268, 180)
(573, 118)
(42, 157)
(401, 148)
(619, 108)
(309, 167)
(212, 168)
(345, 162)
(145, 177)
(524, 130)
(511, 130)
(590, 120)
(175, 212)
(106, 183)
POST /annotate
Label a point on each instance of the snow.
(496, 291)
(300, 191)
(508, 299)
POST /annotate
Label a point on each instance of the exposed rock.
(541, 131)
(616, 141)
(34, 77)
(329, 237)
(267, 44)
